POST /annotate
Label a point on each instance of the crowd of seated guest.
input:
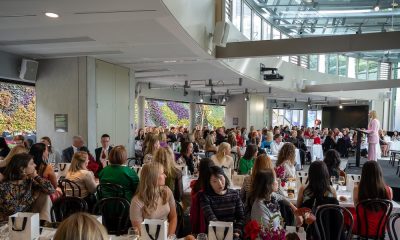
(159, 189)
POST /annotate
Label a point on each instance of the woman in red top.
(197, 218)
(307, 133)
(317, 139)
(239, 139)
(371, 186)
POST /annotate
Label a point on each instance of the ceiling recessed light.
(51, 15)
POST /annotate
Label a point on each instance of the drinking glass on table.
(133, 233)
(341, 180)
(201, 236)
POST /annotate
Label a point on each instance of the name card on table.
(24, 225)
(351, 179)
(154, 229)
(220, 230)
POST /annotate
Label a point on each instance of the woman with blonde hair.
(79, 174)
(373, 136)
(222, 158)
(153, 200)
(262, 162)
(81, 226)
(209, 145)
(151, 148)
(165, 157)
(287, 159)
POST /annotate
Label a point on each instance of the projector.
(273, 77)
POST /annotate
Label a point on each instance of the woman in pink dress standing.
(373, 137)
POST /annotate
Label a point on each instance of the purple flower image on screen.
(156, 114)
(179, 109)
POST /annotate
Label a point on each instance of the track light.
(202, 99)
(376, 7)
(340, 106)
(185, 92)
(247, 98)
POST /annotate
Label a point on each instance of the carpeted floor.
(389, 174)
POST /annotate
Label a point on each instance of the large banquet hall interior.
(211, 119)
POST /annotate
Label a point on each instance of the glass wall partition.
(256, 33)
(287, 117)
(246, 21)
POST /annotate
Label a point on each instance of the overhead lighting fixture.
(376, 7)
(326, 12)
(202, 99)
(170, 61)
(340, 106)
(247, 95)
(51, 15)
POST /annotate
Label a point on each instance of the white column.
(192, 116)
(131, 141)
(141, 122)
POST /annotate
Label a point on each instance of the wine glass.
(201, 236)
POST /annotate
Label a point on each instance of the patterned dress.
(19, 197)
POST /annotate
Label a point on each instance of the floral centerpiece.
(273, 230)
(281, 174)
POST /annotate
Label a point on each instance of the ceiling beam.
(351, 86)
(312, 45)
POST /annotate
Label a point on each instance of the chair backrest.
(350, 179)
(132, 162)
(137, 170)
(69, 188)
(105, 190)
(372, 216)
(115, 214)
(393, 226)
(235, 157)
(334, 222)
(180, 215)
(301, 178)
(63, 207)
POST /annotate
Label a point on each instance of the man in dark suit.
(103, 151)
(77, 143)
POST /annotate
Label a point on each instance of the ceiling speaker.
(221, 33)
(28, 70)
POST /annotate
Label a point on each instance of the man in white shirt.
(277, 144)
(103, 151)
(77, 143)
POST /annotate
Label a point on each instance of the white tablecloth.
(394, 145)
(316, 152)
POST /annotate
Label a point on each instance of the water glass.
(201, 236)
(133, 233)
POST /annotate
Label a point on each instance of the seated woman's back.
(119, 173)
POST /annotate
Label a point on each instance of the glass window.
(396, 72)
(256, 27)
(236, 13)
(372, 70)
(384, 71)
(331, 64)
(266, 31)
(313, 115)
(276, 34)
(290, 117)
(342, 64)
(246, 21)
(352, 68)
(321, 63)
(313, 62)
(362, 69)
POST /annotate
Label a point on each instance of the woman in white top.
(79, 174)
(222, 158)
(287, 159)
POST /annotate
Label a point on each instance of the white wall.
(236, 107)
(113, 102)
(196, 18)
(257, 112)
(61, 89)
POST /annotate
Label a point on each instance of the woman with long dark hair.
(317, 185)
(246, 163)
(21, 188)
(197, 218)
(54, 155)
(187, 156)
(4, 149)
(40, 154)
(221, 203)
(371, 186)
(332, 161)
